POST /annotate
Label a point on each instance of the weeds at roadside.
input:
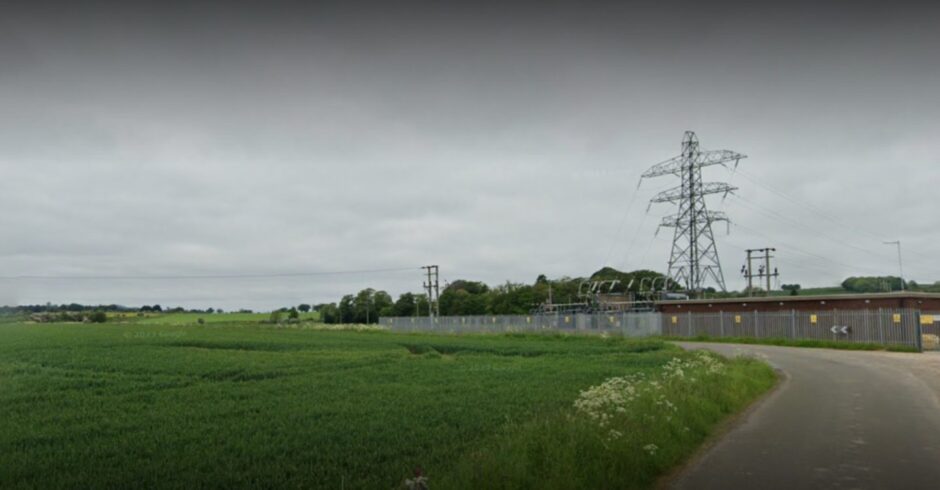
(622, 433)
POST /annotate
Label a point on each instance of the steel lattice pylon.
(694, 257)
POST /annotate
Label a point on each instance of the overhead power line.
(798, 224)
(802, 251)
(813, 209)
(841, 223)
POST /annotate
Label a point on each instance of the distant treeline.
(78, 308)
(463, 297)
(876, 284)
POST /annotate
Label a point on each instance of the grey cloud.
(500, 142)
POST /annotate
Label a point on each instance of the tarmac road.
(839, 419)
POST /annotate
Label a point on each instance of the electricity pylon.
(694, 257)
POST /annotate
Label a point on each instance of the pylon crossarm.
(719, 157)
(673, 166)
(675, 220)
(679, 193)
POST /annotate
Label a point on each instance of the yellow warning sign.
(926, 319)
(737, 318)
(897, 318)
(675, 320)
(812, 319)
(567, 319)
(528, 319)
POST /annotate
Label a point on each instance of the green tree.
(421, 305)
(405, 305)
(304, 308)
(329, 313)
(464, 298)
(383, 305)
(514, 299)
(872, 284)
(363, 308)
(347, 312)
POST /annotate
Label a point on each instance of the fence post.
(756, 333)
(721, 324)
(881, 325)
(835, 321)
(918, 332)
(690, 323)
(792, 323)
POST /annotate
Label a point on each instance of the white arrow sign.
(837, 329)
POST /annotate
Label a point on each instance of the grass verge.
(811, 343)
(623, 433)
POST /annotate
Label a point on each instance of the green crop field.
(242, 405)
(193, 318)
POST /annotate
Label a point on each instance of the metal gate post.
(918, 331)
(756, 333)
(689, 316)
(721, 324)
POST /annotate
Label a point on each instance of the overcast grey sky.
(499, 141)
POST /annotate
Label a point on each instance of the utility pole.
(437, 292)
(763, 271)
(746, 271)
(434, 290)
(900, 265)
(767, 267)
(694, 256)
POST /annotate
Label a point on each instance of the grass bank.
(623, 433)
(821, 344)
(241, 405)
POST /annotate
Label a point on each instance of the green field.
(241, 405)
(193, 318)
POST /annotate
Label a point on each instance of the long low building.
(927, 302)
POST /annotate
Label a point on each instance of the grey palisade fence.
(882, 326)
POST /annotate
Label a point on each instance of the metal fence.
(930, 330)
(882, 326)
(624, 324)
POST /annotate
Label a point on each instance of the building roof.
(822, 297)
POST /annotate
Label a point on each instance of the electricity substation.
(691, 299)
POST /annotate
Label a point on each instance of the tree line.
(465, 297)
